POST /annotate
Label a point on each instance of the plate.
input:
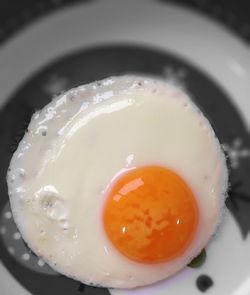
(96, 39)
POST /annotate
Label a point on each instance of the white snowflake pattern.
(175, 76)
(55, 85)
(236, 152)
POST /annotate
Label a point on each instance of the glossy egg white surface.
(77, 144)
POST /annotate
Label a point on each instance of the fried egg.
(119, 183)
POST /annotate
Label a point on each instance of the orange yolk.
(150, 214)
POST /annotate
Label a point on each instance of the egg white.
(76, 145)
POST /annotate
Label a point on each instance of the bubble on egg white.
(54, 207)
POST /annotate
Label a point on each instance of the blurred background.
(49, 46)
(14, 15)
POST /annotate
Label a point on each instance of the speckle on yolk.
(150, 214)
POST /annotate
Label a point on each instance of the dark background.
(15, 14)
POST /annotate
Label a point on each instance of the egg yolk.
(150, 214)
